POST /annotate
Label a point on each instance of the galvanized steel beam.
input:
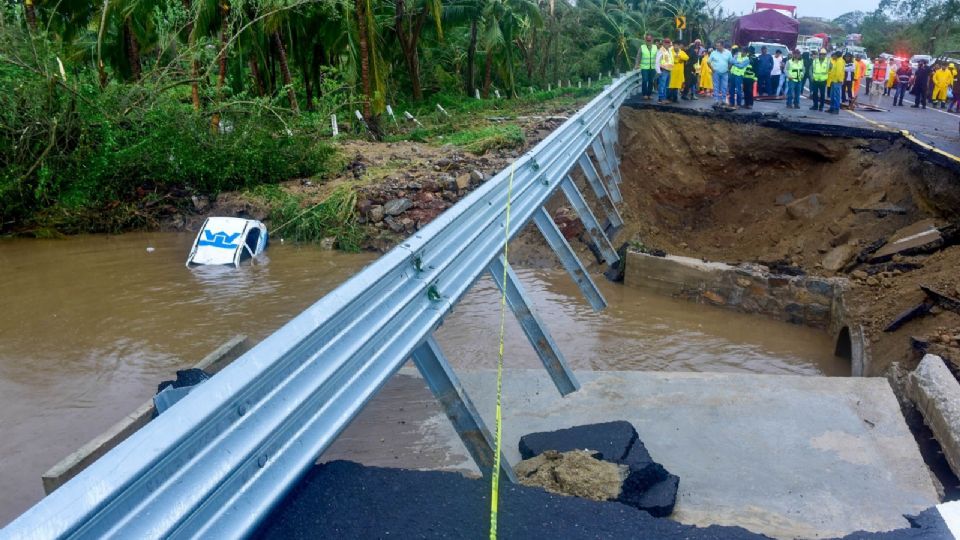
(533, 327)
(590, 222)
(455, 402)
(569, 259)
(215, 464)
(607, 168)
(600, 189)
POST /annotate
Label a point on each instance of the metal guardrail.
(215, 464)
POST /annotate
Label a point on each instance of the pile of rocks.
(396, 208)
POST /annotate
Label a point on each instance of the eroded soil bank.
(736, 192)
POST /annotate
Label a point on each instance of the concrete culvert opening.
(844, 347)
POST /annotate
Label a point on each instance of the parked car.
(771, 47)
(915, 60)
(227, 240)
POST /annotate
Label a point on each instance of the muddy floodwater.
(90, 325)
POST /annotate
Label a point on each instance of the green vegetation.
(480, 140)
(903, 27)
(297, 219)
(116, 112)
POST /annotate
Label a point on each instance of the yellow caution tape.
(495, 475)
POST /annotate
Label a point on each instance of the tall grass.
(295, 218)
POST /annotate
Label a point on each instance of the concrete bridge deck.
(786, 456)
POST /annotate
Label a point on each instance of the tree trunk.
(409, 37)
(364, 59)
(318, 58)
(222, 55)
(486, 77)
(221, 60)
(194, 63)
(257, 78)
(31, 13)
(133, 51)
(307, 84)
(472, 59)
(285, 71)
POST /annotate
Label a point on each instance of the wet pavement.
(934, 127)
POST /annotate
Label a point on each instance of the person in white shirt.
(664, 67)
(777, 79)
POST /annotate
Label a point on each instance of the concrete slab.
(785, 456)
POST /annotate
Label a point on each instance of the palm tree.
(504, 20)
(409, 21)
(470, 12)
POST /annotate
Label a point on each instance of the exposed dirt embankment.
(740, 192)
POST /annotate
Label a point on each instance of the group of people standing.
(733, 76)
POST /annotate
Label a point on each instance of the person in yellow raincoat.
(680, 57)
(942, 78)
(706, 75)
(891, 76)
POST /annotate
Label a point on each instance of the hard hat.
(823, 51)
(951, 64)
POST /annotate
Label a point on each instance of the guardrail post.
(607, 139)
(568, 258)
(611, 139)
(603, 195)
(446, 387)
(606, 167)
(590, 222)
(533, 327)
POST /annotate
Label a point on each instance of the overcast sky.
(827, 9)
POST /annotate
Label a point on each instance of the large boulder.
(806, 208)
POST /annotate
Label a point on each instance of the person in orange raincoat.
(860, 69)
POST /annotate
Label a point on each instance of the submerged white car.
(227, 240)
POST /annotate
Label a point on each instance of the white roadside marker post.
(410, 117)
(496, 93)
(333, 125)
(363, 122)
(444, 111)
(390, 112)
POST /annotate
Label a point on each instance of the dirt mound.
(576, 473)
(740, 192)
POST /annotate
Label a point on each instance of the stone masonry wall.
(750, 288)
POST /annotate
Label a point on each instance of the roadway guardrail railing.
(214, 464)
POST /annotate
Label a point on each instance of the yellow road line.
(907, 135)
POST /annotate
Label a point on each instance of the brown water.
(90, 325)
